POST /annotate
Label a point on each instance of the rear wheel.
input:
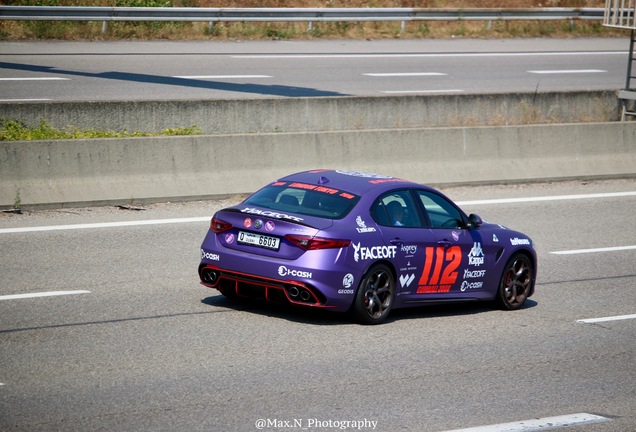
(374, 298)
(516, 281)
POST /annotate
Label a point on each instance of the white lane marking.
(104, 225)
(24, 100)
(422, 91)
(36, 79)
(538, 424)
(221, 76)
(42, 294)
(404, 74)
(398, 55)
(566, 71)
(594, 250)
(605, 319)
(549, 198)
(207, 218)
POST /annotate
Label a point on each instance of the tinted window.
(310, 200)
(396, 209)
(441, 212)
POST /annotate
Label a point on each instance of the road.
(162, 70)
(133, 342)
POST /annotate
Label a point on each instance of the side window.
(441, 213)
(396, 209)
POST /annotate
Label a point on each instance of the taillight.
(313, 243)
(218, 226)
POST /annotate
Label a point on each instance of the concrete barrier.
(98, 171)
(324, 113)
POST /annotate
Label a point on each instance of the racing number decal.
(444, 271)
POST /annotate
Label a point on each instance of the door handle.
(397, 241)
(445, 243)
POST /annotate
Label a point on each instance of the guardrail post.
(310, 26)
(104, 27)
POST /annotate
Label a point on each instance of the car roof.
(355, 182)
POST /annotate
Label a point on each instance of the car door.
(456, 258)
(403, 226)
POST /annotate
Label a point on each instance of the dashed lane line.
(538, 424)
(606, 319)
(594, 250)
(42, 294)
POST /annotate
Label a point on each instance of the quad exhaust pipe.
(297, 293)
(209, 276)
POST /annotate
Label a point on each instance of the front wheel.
(374, 298)
(516, 282)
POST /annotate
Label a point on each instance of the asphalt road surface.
(130, 341)
(161, 70)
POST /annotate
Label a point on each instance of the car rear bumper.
(244, 285)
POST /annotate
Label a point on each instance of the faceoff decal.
(268, 213)
(373, 252)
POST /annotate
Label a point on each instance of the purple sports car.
(364, 243)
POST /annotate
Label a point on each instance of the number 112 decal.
(440, 269)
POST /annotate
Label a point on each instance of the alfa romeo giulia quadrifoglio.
(365, 244)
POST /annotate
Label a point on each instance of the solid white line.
(571, 71)
(605, 319)
(207, 218)
(549, 198)
(36, 79)
(42, 294)
(398, 55)
(221, 76)
(104, 225)
(405, 74)
(24, 100)
(594, 250)
(538, 424)
(422, 91)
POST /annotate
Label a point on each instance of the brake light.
(314, 243)
(218, 226)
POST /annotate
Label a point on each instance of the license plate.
(259, 240)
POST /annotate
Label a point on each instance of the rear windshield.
(305, 199)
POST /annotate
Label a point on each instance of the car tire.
(516, 282)
(375, 295)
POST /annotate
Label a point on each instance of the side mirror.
(474, 221)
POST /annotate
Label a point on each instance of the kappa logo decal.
(476, 255)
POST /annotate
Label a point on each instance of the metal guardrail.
(77, 13)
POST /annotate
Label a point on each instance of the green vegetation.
(12, 130)
(79, 30)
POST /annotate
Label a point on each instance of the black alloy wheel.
(516, 281)
(374, 298)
